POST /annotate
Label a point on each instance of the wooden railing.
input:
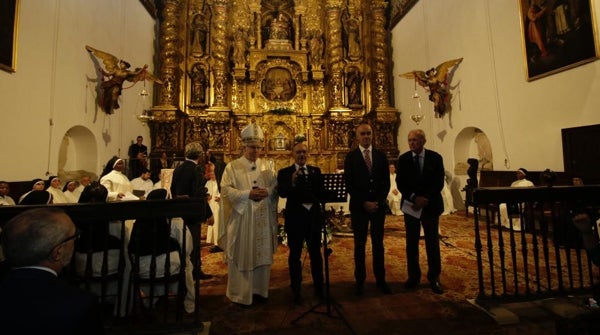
(121, 211)
(546, 257)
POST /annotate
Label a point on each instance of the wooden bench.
(491, 178)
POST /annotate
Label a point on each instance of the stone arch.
(78, 154)
(472, 142)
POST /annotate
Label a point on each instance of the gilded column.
(170, 56)
(385, 119)
(335, 54)
(379, 53)
(219, 53)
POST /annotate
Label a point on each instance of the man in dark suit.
(302, 185)
(137, 153)
(38, 244)
(420, 179)
(188, 181)
(219, 166)
(367, 175)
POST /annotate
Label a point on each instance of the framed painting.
(150, 6)
(557, 35)
(9, 22)
(399, 8)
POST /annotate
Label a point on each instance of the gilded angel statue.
(435, 80)
(115, 73)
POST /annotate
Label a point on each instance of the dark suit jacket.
(296, 218)
(429, 184)
(363, 186)
(302, 192)
(34, 301)
(188, 179)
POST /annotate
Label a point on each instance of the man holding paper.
(420, 179)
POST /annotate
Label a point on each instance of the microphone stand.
(335, 191)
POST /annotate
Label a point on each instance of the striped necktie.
(368, 160)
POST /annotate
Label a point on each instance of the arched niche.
(78, 154)
(472, 142)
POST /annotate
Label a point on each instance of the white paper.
(407, 209)
(129, 196)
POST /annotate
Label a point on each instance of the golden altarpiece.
(298, 68)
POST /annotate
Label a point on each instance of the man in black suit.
(137, 153)
(302, 185)
(38, 244)
(420, 179)
(188, 181)
(367, 175)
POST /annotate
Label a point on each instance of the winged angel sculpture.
(435, 80)
(115, 73)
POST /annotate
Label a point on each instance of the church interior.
(80, 80)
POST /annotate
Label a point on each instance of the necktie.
(368, 160)
(417, 165)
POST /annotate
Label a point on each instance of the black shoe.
(319, 293)
(202, 276)
(215, 249)
(384, 288)
(359, 290)
(259, 299)
(411, 284)
(297, 299)
(436, 287)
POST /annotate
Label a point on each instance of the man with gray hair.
(188, 181)
(39, 244)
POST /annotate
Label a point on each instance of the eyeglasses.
(67, 239)
(72, 237)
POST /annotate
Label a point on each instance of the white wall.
(55, 80)
(523, 120)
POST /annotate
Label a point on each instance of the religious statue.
(352, 29)
(116, 72)
(199, 82)
(316, 50)
(435, 80)
(198, 37)
(280, 28)
(240, 45)
(354, 84)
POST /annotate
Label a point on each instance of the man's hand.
(420, 202)
(371, 206)
(257, 194)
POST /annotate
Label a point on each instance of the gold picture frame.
(557, 36)
(399, 8)
(9, 23)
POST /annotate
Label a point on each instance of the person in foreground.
(420, 179)
(248, 192)
(302, 186)
(189, 181)
(367, 175)
(38, 244)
